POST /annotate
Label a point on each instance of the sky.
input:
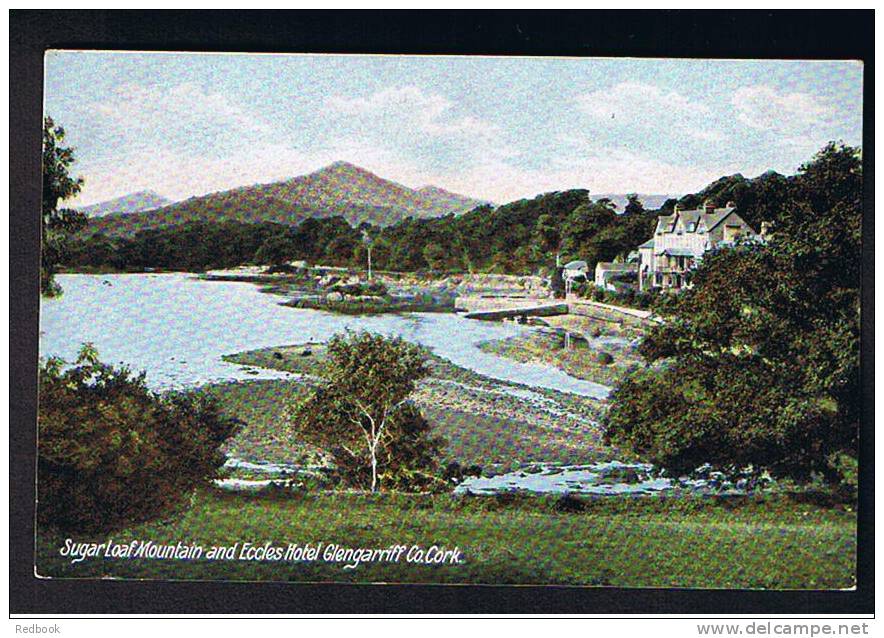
(495, 128)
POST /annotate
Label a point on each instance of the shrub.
(605, 358)
(112, 453)
(847, 470)
(362, 415)
(363, 288)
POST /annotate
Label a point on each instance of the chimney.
(708, 206)
(676, 208)
(731, 204)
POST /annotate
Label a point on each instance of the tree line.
(521, 237)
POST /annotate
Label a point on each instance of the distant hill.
(448, 201)
(131, 203)
(649, 201)
(341, 189)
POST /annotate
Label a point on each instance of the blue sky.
(495, 128)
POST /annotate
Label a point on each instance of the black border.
(718, 34)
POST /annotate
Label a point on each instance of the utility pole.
(366, 239)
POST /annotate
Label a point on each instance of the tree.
(112, 453)
(757, 365)
(435, 256)
(368, 242)
(276, 250)
(634, 205)
(58, 186)
(362, 416)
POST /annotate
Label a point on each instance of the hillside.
(340, 189)
(131, 203)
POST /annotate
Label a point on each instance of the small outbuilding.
(575, 270)
(605, 272)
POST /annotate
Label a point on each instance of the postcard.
(325, 318)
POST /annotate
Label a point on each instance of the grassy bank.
(349, 306)
(772, 543)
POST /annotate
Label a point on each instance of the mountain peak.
(131, 203)
(342, 166)
(338, 189)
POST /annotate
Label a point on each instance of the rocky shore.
(582, 347)
(351, 292)
(487, 422)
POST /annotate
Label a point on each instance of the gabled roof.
(648, 244)
(577, 265)
(692, 220)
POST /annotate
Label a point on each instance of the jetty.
(500, 307)
(522, 312)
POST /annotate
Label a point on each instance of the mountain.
(341, 188)
(131, 203)
(360, 195)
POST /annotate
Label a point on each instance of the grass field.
(771, 543)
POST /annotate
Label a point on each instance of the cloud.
(650, 108)
(763, 108)
(794, 125)
(425, 112)
(184, 113)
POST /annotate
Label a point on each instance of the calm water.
(177, 328)
(599, 479)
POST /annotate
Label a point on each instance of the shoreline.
(486, 421)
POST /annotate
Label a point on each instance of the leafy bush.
(362, 416)
(605, 358)
(112, 453)
(628, 297)
(363, 288)
(847, 469)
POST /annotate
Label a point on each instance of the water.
(604, 479)
(612, 478)
(177, 327)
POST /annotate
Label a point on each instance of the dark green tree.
(111, 453)
(276, 250)
(57, 223)
(634, 205)
(757, 365)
